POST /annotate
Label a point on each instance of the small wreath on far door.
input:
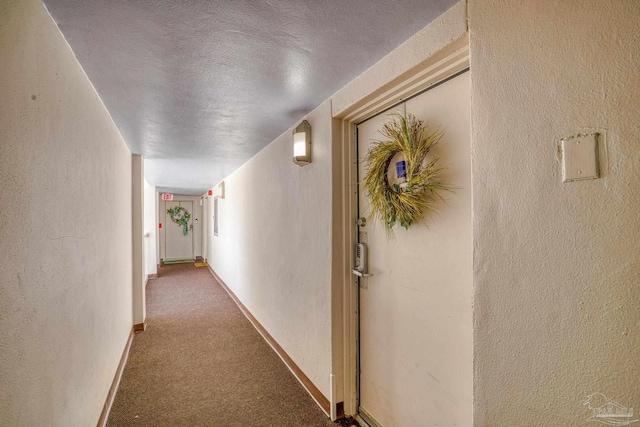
(180, 216)
(403, 203)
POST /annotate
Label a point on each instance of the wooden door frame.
(444, 64)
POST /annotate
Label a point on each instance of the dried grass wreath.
(394, 204)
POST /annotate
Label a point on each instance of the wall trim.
(315, 393)
(104, 416)
(146, 282)
(340, 409)
(140, 327)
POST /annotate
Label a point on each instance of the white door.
(178, 236)
(415, 318)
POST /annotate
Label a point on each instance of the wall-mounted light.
(220, 190)
(302, 144)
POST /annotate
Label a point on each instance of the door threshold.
(178, 261)
(366, 420)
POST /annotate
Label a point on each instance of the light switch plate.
(580, 157)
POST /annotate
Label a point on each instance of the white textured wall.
(150, 229)
(274, 245)
(65, 230)
(557, 266)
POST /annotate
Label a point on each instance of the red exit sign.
(167, 196)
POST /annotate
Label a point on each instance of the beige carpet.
(201, 363)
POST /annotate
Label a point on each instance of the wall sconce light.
(302, 144)
(220, 190)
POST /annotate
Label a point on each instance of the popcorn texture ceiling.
(198, 87)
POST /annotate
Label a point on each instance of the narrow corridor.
(201, 363)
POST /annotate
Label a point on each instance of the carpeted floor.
(201, 363)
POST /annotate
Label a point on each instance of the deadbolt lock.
(362, 221)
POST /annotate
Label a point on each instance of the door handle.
(360, 273)
(361, 261)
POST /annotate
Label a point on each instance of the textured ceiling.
(198, 87)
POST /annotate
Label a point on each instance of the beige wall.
(65, 230)
(556, 265)
(274, 245)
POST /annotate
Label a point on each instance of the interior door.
(178, 245)
(415, 318)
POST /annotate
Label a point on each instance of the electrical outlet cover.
(580, 157)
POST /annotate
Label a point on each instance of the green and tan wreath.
(394, 204)
(180, 216)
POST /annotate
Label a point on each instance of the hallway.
(201, 363)
(112, 110)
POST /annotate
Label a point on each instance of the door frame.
(448, 62)
(192, 228)
(197, 227)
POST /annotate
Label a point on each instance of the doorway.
(415, 311)
(179, 231)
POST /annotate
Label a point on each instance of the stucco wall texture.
(274, 245)
(65, 230)
(556, 266)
